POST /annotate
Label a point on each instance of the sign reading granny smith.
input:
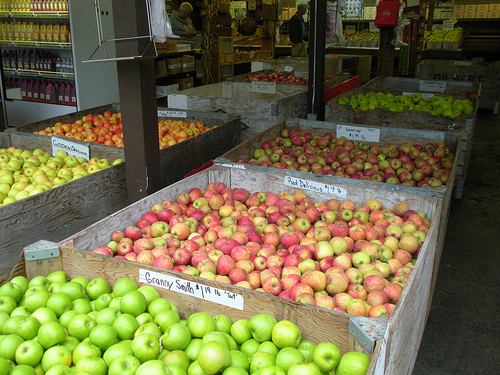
(190, 288)
(72, 148)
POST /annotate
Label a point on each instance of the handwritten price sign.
(359, 133)
(190, 288)
(435, 86)
(315, 186)
(264, 87)
(177, 114)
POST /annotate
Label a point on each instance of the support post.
(386, 52)
(136, 82)
(316, 92)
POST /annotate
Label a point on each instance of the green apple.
(287, 357)
(125, 325)
(307, 348)
(326, 356)
(51, 333)
(10, 325)
(96, 287)
(107, 315)
(85, 349)
(240, 331)
(103, 336)
(59, 303)
(176, 337)
(158, 305)
(23, 370)
(21, 281)
(195, 369)
(4, 366)
(55, 287)
(200, 323)
(13, 290)
(149, 327)
(166, 318)
(115, 351)
(66, 317)
(232, 343)
(81, 306)
(176, 358)
(150, 293)
(286, 333)
(3, 318)
(250, 347)
(28, 328)
(353, 363)
(7, 304)
(144, 318)
(153, 367)
(261, 326)
(268, 346)
(58, 276)
(9, 345)
(82, 280)
(115, 302)
(223, 323)
(231, 370)
(214, 357)
(81, 326)
(239, 359)
(273, 370)
(124, 365)
(124, 285)
(92, 365)
(304, 369)
(44, 315)
(133, 302)
(62, 370)
(193, 348)
(56, 355)
(145, 347)
(71, 343)
(73, 290)
(261, 360)
(19, 310)
(102, 301)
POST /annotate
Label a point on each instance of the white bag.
(160, 24)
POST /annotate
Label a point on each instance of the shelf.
(177, 75)
(243, 61)
(37, 73)
(34, 14)
(177, 54)
(33, 44)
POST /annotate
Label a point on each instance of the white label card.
(288, 68)
(179, 114)
(301, 74)
(448, 25)
(359, 133)
(228, 165)
(177, 101)
(463, 63)
(264, 87)
(190, 288)
(78, 150)
(435, 86)
(318, 187)
(425, 96)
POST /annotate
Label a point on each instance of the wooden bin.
(387, 135)
(175, 161)
(61, 211)
(487, 73)
(298, 64)
(462, 126)
(405, 326)
(258, 111)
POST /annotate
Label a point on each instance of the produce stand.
(462, 126)
(176, 160)
(62, 210)
(487, 73)
(405, 326)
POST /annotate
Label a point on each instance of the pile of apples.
(107, 129)
(282, 77)
(24, 173)
(407, 164)
(435, 105)
(354, 259)
(56, 326)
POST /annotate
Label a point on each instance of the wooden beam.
(136, 81)
(386, 52)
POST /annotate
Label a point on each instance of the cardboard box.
(482, 10)
(187, 63)
(161, 68)
(494, 11)
(174, 65)
(183, 47)
(185, 83)
(470, 11)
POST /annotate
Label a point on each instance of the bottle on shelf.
(24, 87)
(29, 31)
(73, 94)
(29, 90)
(67, 94)
(27, 59)
(22, 30)
(55, 33)
(41, 91)
(17, 27)
(36, 32)
(63, 33)
(42, 33)
(48, 33)
(50, 94)
(10, 31)
(36, 90)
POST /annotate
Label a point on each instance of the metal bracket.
(41, 250)
(367, 330)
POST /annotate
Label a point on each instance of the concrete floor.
(462, 335)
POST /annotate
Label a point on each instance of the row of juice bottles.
(35, 32)
(44, 61)
(33, 5)
(40, 90)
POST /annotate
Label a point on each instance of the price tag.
(463, 63)
(177, 101)
(425, 96)
(359, 133)
(178, 114)
(190, 288)
(264, 87)
(373, 28)
(315, 186)
(448, 25)
(288, 68)
(301, 74)
(228, 165)
(78, 150)
(435, 86)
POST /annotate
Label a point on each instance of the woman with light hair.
(180, 21)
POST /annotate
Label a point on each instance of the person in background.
(181, 23)
(298, 33)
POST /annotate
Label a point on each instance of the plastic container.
(22, 30)
(24, 89)
(73, 94)
(50, 94)
(60, 92)
(29, 31)
(29, 90)
(36, 32)
(67, 94)
(36, 90)
(48, 33)
(56, 37)
(41, 92)
(17, 27)
(63, 33)
(43, 33)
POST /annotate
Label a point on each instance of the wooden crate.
(61, 211)
(176, 161)
(258, 111)
(398, 349)
(487, 73)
